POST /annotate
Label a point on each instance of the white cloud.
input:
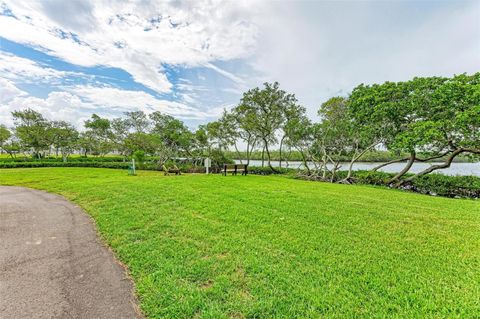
(315, 49)
(8, 91)
(321, 49)
(125, 100)
(77, 103)
(25, 70)
(138, 37)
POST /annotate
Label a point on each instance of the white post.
(207, 164)
(133, 165)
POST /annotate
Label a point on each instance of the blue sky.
(69, 59)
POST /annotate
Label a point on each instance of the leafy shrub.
(59, 159)
(219, 158)
(62, 164)
(431, 184)
(449, 186)
(367, 177)
(258, 170)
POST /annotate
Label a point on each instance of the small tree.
(294, 115)
(299, 134)
(450, 123)
(5, 135)
(176, 139)
(32, 130)
(244, 117)
(99, 135)
(65, 138)
(120, 131)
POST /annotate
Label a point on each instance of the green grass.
(272, 247)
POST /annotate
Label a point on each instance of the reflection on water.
(454, 169)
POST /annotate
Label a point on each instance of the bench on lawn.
(235, 168)
(174, 170)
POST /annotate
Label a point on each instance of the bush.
(119, 165)
(431, 184)
(449, 186)
(258, 170)
(59, 159)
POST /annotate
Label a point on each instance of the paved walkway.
(53, 265)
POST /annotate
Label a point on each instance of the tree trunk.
(287, 158)
(248, 155)
(263, 156)
(304, 160)
(336, 167)
(376, 168)
(324, 165)
(280, 151)
(269, 157)
(410, 162)
(355, 158)
(238, 153)
(252, 147)
(446, 164)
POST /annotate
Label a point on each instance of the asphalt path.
(54, 265)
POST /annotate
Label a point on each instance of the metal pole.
(133, 165)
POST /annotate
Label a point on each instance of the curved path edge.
(53, 263)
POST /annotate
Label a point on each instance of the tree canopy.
(428, 118)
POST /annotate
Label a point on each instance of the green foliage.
(139, 156)
(219, 158)
(423, 119)
(435, 115)
(433, 184)
(119, 165)
(98, 138)
(5, 134)
(59, 159)
(264, 111)
(32, 130)
(258, 170)
(201, 246)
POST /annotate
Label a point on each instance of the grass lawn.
(211, 246)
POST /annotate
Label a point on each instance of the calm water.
(454, 169)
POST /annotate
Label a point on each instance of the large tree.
(266, 109)
(120, 131)
(99, 134)
(175, 136)
(64, 138)
(5, 135)
(449, 122)
(32, 130)
(293, 115)
(244, 117)
(299, 134)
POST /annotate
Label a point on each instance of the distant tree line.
(427, 118)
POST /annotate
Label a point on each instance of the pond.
(454, 169)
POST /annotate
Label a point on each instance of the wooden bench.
(235, 168)
(174, 170)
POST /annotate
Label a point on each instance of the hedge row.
(109, 159)
(259, 170)
(119, 165)
(124, 165)
(431, 184)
